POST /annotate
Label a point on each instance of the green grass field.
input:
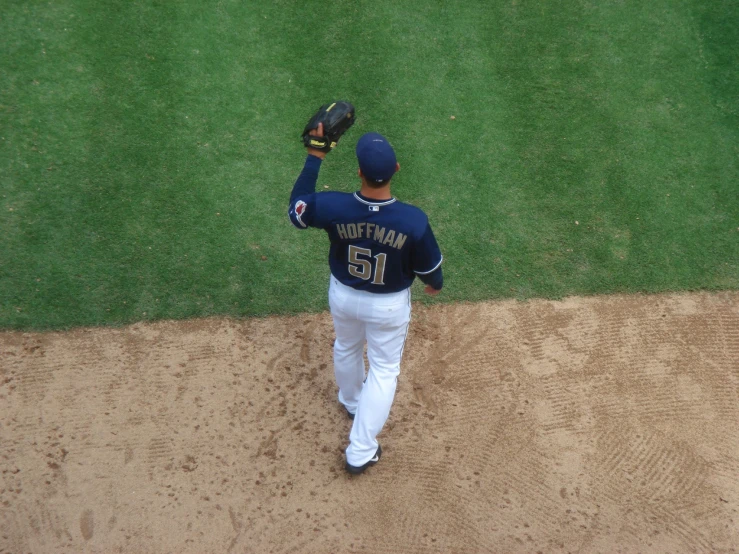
(148, 148)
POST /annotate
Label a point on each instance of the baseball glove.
(336, 117)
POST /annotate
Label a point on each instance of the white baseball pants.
(382, 321)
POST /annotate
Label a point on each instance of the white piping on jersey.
(384, 203)
(430, 270)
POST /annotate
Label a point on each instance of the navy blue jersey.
(376, 246)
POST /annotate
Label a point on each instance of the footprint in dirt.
(87, 524)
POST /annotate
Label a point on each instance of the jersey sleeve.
(427, 256)
(435, 278)
(303, 199)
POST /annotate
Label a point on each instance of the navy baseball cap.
(376, 157)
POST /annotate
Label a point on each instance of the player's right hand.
(318, 132)
(431, 290)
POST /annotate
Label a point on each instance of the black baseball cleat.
(356, 470)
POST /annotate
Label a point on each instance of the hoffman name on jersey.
(366, 230)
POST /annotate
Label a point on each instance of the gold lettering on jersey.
(400, 241)
(371, 231)
(379, 234)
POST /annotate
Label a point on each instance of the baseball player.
(378, 246)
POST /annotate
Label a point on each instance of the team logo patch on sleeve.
(300, 208)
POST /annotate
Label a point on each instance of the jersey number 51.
(360, 264)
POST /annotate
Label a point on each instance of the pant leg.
(348, 347)
(386, 331)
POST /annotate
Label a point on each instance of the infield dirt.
(604, 424)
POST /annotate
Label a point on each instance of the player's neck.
(382, 193)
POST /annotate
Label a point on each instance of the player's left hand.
(318, 132)
(431, 290)
(327, 126)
